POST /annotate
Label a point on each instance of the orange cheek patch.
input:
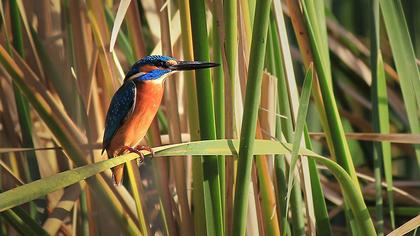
(147, 68)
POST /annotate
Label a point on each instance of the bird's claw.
(139, 160)
(138, 150)
(147, 148)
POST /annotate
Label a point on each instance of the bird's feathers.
(153, 59)
(121, 106)
(154, 75)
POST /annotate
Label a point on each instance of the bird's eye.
(162, 64)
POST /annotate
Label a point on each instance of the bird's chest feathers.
(146, 104)
(148, 99)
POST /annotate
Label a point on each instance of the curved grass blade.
(340, 148)
(123, 42)
(286, 80)
(300, 123)
(405, 61)
(39, 188)
(122, 9)
(220, 147)
(323, 226)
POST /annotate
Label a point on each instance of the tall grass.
(233, 146)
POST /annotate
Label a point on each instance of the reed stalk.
(211, 171)
(249, 122)
(197, 171)
(380, 119)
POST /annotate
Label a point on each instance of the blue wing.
(121, 105)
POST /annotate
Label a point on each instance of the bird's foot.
(140, 160)
(143, 147)
(147, 148)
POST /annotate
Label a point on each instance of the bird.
(135, 104)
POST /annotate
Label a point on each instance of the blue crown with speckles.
(149, 60)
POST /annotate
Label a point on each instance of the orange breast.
(148, 98)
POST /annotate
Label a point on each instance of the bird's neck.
(149, 86)
(160, 80)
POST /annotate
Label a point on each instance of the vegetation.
(311, 124)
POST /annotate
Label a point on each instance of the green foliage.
(57, 78)
(249, 122)
(39, 188)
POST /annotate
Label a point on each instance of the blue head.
(156, 67)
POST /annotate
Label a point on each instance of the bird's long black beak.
(192, 65)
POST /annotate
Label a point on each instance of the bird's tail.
(117, 174)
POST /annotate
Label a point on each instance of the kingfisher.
(136, 103)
